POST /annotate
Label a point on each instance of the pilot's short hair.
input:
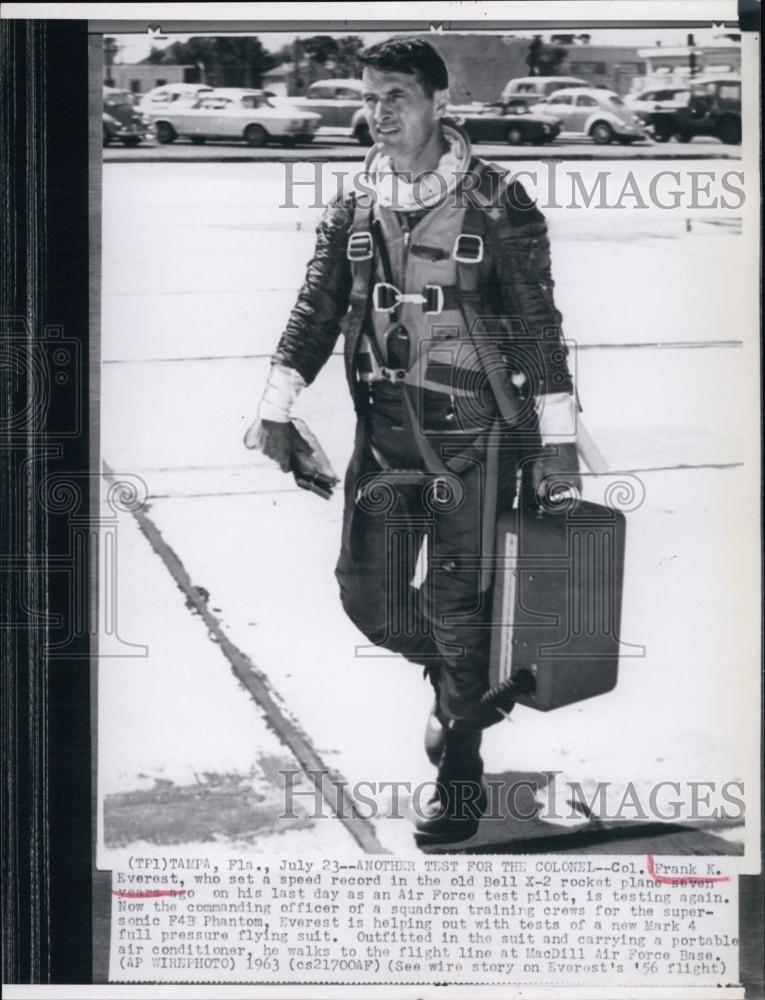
(409, 55)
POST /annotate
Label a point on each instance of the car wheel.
(684, 136)
(662, 133)
(730, 131)
(515, 135)
(602, 133)
(166, 133)
(255, 135)
(198, 140)
(362, 135)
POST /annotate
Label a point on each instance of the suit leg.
(380, 547)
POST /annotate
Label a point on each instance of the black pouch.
(308, 462)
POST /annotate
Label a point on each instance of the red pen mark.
(681, 879)
(146, 893)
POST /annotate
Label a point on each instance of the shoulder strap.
(470, 300)
(362, 269)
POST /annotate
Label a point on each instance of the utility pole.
(297, 82)
(692, 64)
(110, 50)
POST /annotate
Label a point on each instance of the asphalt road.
(341, 149)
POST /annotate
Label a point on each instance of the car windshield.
(256, 101)
(214, 102)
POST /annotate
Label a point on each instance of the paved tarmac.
(226, 574)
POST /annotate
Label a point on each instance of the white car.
(528, 91)
(340, 105)
(589, 111)
(160, 98)
(234, 113)
(658, 99)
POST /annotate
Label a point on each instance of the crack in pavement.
(331, 785)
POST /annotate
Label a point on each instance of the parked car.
(525, 91)
(588, 111)
(340, 105)
(657, 99)
(502, 123)
(713, 108)
(171, 93)
(235, 113)
(122, 121)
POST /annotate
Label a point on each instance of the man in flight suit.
(437, 271)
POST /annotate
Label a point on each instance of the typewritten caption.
(524, 920)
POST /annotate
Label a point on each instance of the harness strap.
(468, 284)
(363, 274)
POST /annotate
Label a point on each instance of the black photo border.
(48, 758)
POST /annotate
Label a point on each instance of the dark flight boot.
(454, 812)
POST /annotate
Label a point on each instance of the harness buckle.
(468, 249)
(360, 246)
(385, 297)
(393, 374)
(434, 299)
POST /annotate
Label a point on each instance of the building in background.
(614, 67)
(481, 65)
(677, 63)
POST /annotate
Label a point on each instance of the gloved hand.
(272, 432)
(277, 440)
(559, 463)
(295, 449)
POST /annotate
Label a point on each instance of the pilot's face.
(402, 117)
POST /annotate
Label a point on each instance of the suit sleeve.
(524, 274)
(314, 323)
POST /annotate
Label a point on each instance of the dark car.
(713, 108)
(503, 122)
(122, 121)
